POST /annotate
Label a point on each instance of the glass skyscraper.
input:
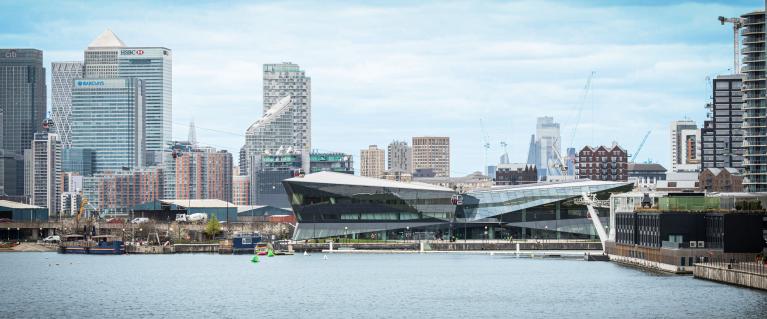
(108, 57)
(23, 106)
(108, 117)
(62, 76)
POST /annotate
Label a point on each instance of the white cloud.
(383, 72)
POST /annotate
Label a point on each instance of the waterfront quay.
(747, 273)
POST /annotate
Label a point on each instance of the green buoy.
(270, 253)
(254, 259)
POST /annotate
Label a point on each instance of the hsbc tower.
(108, 57)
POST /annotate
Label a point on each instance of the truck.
(191, 218)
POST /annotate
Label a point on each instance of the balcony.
(753, 49)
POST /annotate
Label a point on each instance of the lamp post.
(407, 233)
(346, 238)
(485, 235)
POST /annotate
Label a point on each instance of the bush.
(213, 227)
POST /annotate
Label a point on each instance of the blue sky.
(390, 70)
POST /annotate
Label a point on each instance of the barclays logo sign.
(90, 83)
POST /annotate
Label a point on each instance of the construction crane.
(485, 142)
(636, 154)
(505, 155)
(586, 89)
(737, 23)
(559, 162)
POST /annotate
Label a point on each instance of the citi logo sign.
(90, 83)
(131, 52)
(10, 54)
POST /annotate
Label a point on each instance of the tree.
(213, 227)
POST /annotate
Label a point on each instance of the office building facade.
(22, 109)
(108, 118)
(63, 75)
(432, 152)
(399, 157)
(372, 162)
(755, 117)
(722, 134)
(543, 144)
(107, 57)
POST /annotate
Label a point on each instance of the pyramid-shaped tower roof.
(107, 39)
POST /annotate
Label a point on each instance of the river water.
(40, 285)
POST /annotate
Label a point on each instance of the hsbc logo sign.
(131, 52)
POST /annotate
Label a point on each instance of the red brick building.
(121, 190)
(602, 163)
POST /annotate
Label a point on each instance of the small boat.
(96, 245)
(245, 242)
(262, 249)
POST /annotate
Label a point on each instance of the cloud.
(393, 70)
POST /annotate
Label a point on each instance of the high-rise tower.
(63, 75)
(287, 79)
(755, 107)
(108, 57)
(23, 106)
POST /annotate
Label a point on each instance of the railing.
(751, 264)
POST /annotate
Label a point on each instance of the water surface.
(36, 285)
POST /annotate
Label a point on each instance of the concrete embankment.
(448, 246)
(750, 275)
(30, 247)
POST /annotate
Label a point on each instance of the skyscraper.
(202, 173)
(372, 162)
(685, 153)
(548, 139)
(432, 152)
(287, 79)
(108, 57)
(399, 157)
(754, 119)
(722, 133)
(269, 134)
(108, 117)
(45, 172)
(23, 107)
(63, 75)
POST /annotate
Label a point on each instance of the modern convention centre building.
(328, 204)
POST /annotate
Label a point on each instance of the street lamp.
(346, 228)
(407, 233)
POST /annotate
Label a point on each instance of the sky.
(390, 70)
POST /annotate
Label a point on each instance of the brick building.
(720, 180)
(603, 163)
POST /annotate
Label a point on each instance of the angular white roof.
(273, 111)
(16, 205)
(107, 39)
(199, 203)
(349, 179)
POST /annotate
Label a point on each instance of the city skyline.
(505, 63)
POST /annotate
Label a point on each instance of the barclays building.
(328, 204)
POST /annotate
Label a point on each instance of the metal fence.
(741, 262)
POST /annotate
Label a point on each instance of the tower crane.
(586, 89)
(737, 23)
(485, 142)
(505, 155)
(636, 154)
